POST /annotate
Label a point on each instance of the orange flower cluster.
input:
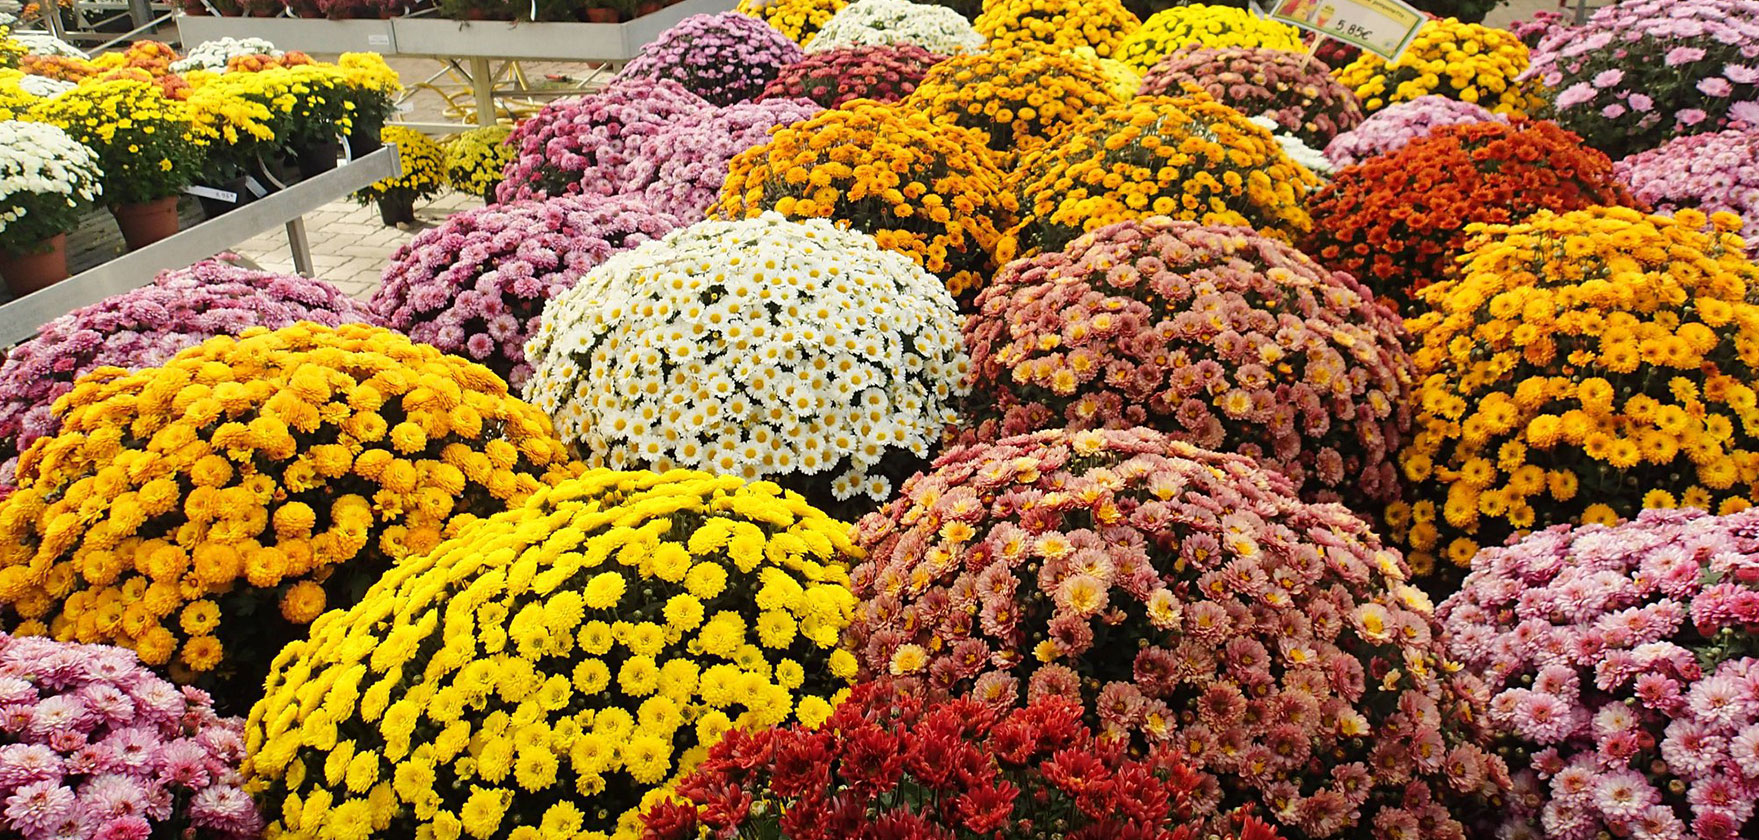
(932, 192)
(1396, 222)
(201, 513)
(257, 63)
(1188, 157)
(145, 60)
(1020, 97)
(1062, 25)
(60, 67)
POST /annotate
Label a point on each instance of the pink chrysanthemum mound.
(1708, 172)
(1397, 126)
(1214, 335)
(1187, 598)
(690, 156)
(1289, 87)
(724, 58)
(97, 746)
(146, 327)
(1625, 686)
(882, 73)
(476, 286)
(590, 145)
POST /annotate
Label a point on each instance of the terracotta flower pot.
(648, 8)
(26, 273)
(146, 223)
(598, 14)
(396, 208)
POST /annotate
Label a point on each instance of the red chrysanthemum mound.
(989, 772)
(1189, 599)
(881, 73)
(1215, 335)
(1289, 87)
(1396, 222)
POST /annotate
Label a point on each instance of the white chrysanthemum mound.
(44, 44)
(862, 23)
(38, 161)
(1296, 148)
(216, 54)
(764, 348)
(43, 86)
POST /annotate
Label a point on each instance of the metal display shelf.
(477, 42)
(20, 318)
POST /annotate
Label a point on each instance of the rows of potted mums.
(133, 129)
(1195, 492)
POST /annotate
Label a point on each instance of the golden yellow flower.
(239, 556)
(516, 690)
(1616, 429)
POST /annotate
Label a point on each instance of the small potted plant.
(476, 159)
(47, 179)
(145, 145)
(604, 11)
(373, 87)
(236, 132)
(424, 173)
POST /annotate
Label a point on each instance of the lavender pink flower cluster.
(146, 327)
(1619, 661)
(1708, 172)
(476, 286)
(1643, 71)
(1398, 126)
(1190, 599)
(97, 747)
(689, 157)
(724, 58)
(589, 145)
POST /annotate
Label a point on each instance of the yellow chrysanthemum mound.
(932, 192)
(1581, 367)
(1205, 26)
(1186, 157)
(1020, 97)
(1061, 25)
(555, 666)
(1464, 61)
(423, 162)
(203, 512)
(800, 20)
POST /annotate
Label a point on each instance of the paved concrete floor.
(350, 246)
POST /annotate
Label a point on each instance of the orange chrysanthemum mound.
(1396, 222)
(931, 192)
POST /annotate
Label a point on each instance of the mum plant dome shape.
(203, 512)
(790, 351)
(1186, 597)
(546, 673)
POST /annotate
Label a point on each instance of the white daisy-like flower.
(937, 29)
(783, 368)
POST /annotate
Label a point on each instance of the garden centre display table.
(472, 46)
(20, 318)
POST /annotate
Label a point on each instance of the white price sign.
(1382, 27)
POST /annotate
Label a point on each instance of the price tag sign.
(1382, 27)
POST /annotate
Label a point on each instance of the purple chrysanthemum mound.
(1624, 689)
(1709, 172)
(476, 286)
(589, 145)
(146, 327)
(724, 58)
(96, 745)
(690, 156)
(1395, 127)
(882, 73)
